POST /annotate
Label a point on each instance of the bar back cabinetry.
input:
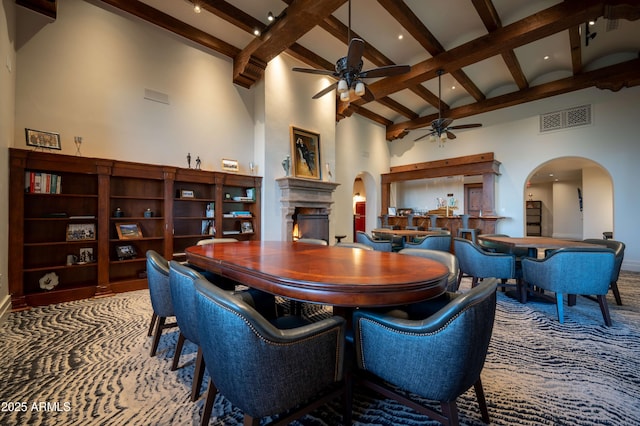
(80, 227)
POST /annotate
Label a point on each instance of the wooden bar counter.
(486, 224)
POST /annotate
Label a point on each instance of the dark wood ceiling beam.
(301, 16)
(492, 22)
(365, 113)
(162, 20)
(48, 8)
(397, 107)
(405, 17)
(614, 77)
(576, 49)
(429, 97)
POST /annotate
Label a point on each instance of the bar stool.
(433, 218)
(410, 224)
(465, 230)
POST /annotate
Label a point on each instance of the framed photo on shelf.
(41, 139)
(81, 231)
(128, 231)
(86, 255)
(187, 193)
(125, 252)
(246, 227)
(305, 153)
(230, 165)
(391, 211)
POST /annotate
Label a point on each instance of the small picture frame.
(230, 165)
(246, 227)
(126, 252)
(81, 231)
(41, 139)
(128, 231)
(391, 211)
(86, 255)
(187, 193)
(305, 153)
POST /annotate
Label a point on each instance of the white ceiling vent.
(567, 118)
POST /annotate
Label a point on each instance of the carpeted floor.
(87, 363)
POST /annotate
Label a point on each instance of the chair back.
(158, 281)
(618, 249)
(216, 241)
(465, 221)
(316, 241)
(364, 238)
(354, 245)
(432, 242)
(572, 271)
(259, 368)
(444, 257)
(481, 264)
(183, 293)
(438, 357)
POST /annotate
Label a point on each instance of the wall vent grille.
(567, 118)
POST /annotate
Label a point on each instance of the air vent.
(567, 118)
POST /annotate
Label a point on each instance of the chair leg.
(571, 299)
(482, 402)
(450, 411)
(474, 282)
(208, 404)
(604, 307)
(176, 356)
(154, 317)
(616, 293)
(250, 421)
(522, 290)
(198, 375)
(459, 277)
(560, 308)
(159, 325)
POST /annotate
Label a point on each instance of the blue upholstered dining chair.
(431, 242)
(572, 271)
(478, 263)
(315, 241)
(379, 245)
(354, 245)
(444, 257)
(437, 355)
(160, 294)
(618, 249)
(265, 369)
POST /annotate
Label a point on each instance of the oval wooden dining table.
(338, 276)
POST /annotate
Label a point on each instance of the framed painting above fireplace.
(305, 153)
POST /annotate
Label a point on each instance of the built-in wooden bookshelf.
(70, 235)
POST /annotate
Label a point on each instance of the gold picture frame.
(40, 139)
(128, 231)
(305, 153)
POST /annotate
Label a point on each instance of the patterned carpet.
(87, 363)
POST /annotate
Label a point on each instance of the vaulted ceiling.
(494, 53)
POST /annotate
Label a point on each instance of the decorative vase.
(286, 164)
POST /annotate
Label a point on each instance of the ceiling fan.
(349, 72)
(440, 127)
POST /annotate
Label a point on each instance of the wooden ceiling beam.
(614, 77)
(162, 20)
(575, 41)
(492, 22)
(300, 17)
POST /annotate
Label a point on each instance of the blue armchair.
(437, 357)
(160, 294)
(262, 369)
(444, 257)
(431, 242)
(379, 245)
(618, 248)
(478, 263)
(585, 271)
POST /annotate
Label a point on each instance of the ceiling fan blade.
(385, 71)
(450, 135)
(466, 126)
(354, 55)
(326, 90)
(315, 71)
(424, 136)
(441, 123)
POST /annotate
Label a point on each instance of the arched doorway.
(569, 197)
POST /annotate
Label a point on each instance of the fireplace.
(307, 204)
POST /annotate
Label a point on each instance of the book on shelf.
(86, 216)
(42, 183)
(230, 232)
(241, 214)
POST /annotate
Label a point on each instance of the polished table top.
(535, 242)
(332, 275)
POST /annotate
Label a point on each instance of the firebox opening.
(310, 223)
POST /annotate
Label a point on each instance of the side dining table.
(533, 244)
(342, 277)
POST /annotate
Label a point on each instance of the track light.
(588, 35)
(270, 17)
(196, 8)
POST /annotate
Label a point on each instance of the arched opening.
(365, 202)
(570, 198)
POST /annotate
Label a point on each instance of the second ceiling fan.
(349, 72)
(441, 127)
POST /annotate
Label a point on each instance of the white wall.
(597, 197)
(7, 102)
(567, 217)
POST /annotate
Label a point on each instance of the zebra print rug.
(87, 363)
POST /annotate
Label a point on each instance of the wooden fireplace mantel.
(471, 165)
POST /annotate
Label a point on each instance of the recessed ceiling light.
(400, 36)
(546, 57)
(592, 22)
(196, 8)
(453, 87)
(551, 174)
(256, 32)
